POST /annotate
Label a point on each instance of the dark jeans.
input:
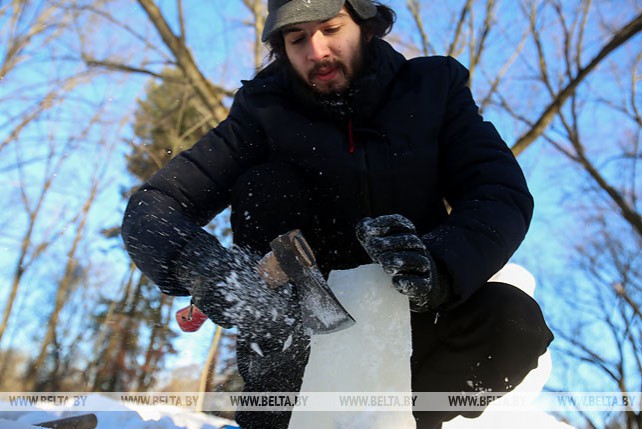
(490, 342)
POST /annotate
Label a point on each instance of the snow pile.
(121, 416)
(529, 417)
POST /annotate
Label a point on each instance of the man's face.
(325, 54)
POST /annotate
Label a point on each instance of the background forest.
(96, 95)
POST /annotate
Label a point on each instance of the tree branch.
(415, 12)
(621, 37)
(111, 65)
(210, 95)
(621, 292)
(258, 13)
(458, 29)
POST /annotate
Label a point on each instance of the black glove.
(392, 242)
(226, 286)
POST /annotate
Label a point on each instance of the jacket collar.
(372, 88)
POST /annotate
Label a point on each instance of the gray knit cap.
(287, 12)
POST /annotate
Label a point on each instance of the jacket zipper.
(363, 168)
(350, 137)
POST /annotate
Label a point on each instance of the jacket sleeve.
(485, 188)
(171, 208)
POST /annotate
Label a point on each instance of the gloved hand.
(392, 242)
(226, 286)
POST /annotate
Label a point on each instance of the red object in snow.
(190, 318)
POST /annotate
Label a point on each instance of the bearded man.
(373, 157)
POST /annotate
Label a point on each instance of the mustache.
(326, 64)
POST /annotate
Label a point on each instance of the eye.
(295, 38)
(332, 30)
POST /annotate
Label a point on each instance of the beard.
(350, 71)
(337, 104)
(336, 100)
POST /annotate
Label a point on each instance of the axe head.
(292, 260)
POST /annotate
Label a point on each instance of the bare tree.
(211, 97)
(71, 277)
(575, 75)
(257, 23)
(56, 29)
(29, 251)
(603, 199)
(470, 39)
(29, 28)
(608, 256)
(157, 344)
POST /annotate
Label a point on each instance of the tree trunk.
(155, 346)
(209, 370)
(68, 281)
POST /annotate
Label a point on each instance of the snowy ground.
(133, 417)
(128, 416)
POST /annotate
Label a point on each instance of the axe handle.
(271, 271)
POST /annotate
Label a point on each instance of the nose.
(318, 48)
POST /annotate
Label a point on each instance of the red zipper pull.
(190, 318)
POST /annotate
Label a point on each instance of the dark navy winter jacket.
(414, 141)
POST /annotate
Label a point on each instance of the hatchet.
(291, 260)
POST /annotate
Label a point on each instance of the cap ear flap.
(365, 9)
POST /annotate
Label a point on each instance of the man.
(375, 158)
